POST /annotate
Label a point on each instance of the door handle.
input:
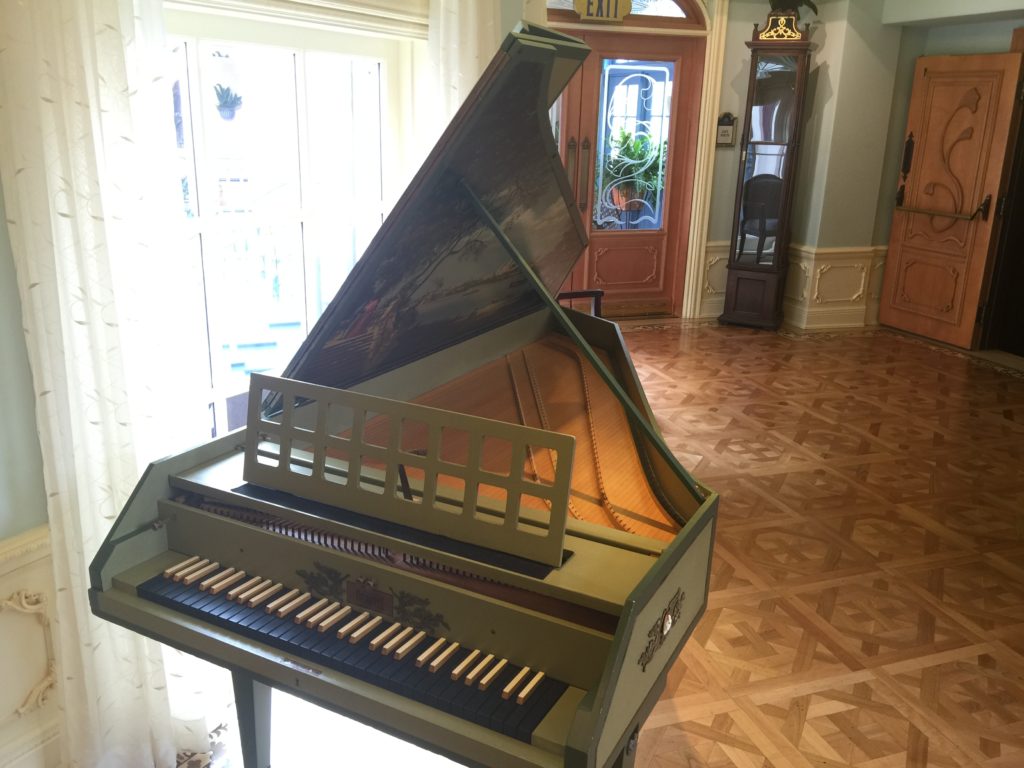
(571, 150)
(908, 156)
(584, 185)
(908, 159)
(982, 210)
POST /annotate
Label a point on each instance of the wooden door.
(1003, 318)
(627, 133)
(963, 116)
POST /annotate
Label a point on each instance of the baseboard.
(38, 749)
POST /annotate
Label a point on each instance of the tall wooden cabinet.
(780, 56)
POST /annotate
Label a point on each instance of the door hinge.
(980, 319)
(1001, 206)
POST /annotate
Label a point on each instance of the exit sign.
(603, 10)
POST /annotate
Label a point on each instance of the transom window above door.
(651, 14)
(640, 7)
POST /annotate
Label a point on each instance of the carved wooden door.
(627, 135)
(962, 119)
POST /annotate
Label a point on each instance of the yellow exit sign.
(603, 10)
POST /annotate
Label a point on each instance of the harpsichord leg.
(627, 757)
(252, 705)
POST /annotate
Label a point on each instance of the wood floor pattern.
(867, 595)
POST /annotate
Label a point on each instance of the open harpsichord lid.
(436, 273)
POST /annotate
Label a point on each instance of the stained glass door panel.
(633, 122)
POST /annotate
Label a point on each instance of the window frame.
(396, 55)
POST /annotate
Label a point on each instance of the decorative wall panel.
(28, 667)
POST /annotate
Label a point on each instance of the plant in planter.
(634, 171)
(227, 101)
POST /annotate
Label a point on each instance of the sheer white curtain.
(77, 94)
(462, 37)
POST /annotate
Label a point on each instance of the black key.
(287, 629)
(204, 603)
(296, 630)
(223, 619)
(441, 693)
(247, 616)
(458, 705)
(155, 587)
(505, 708)
(232, 610)
(436, 689)
(469, 707)
(489, 700)
(409, 679)
(262, 624)
(173, 593)
(317, 641)
(240, 620)
(194, 597)
(266, 631)
(299, 635)
(537, 706)
(356, 660)
(379, 670)
(398, 671)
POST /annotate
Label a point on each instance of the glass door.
(630, 162)
(633, 122)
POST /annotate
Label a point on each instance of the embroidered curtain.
(79, 91)
(462, 37)
(84, 123)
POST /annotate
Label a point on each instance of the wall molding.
(694, 299)
(713, 279)
(33, 604)
(31, 750)
(29, 715)
(387, 18)
(24, 548)
(825, 287)
(833, 287)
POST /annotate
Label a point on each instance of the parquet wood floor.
(867, 596)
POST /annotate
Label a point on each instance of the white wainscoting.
(826, 288)
(833, 287)
(713, 276)
(28, 706)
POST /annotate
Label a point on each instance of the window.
(640, 7)
(281, 168)
(633, 130)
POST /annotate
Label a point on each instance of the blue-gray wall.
(859, 91)
(22, 495)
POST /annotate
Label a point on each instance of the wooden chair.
(762, 197)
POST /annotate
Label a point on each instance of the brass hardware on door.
(908, 159)
(582, 190)
(982, 210)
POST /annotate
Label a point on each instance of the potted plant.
(634, 170)
(227, 101)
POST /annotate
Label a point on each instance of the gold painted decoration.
(603, 11)
(657, 633)
(782, 27)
